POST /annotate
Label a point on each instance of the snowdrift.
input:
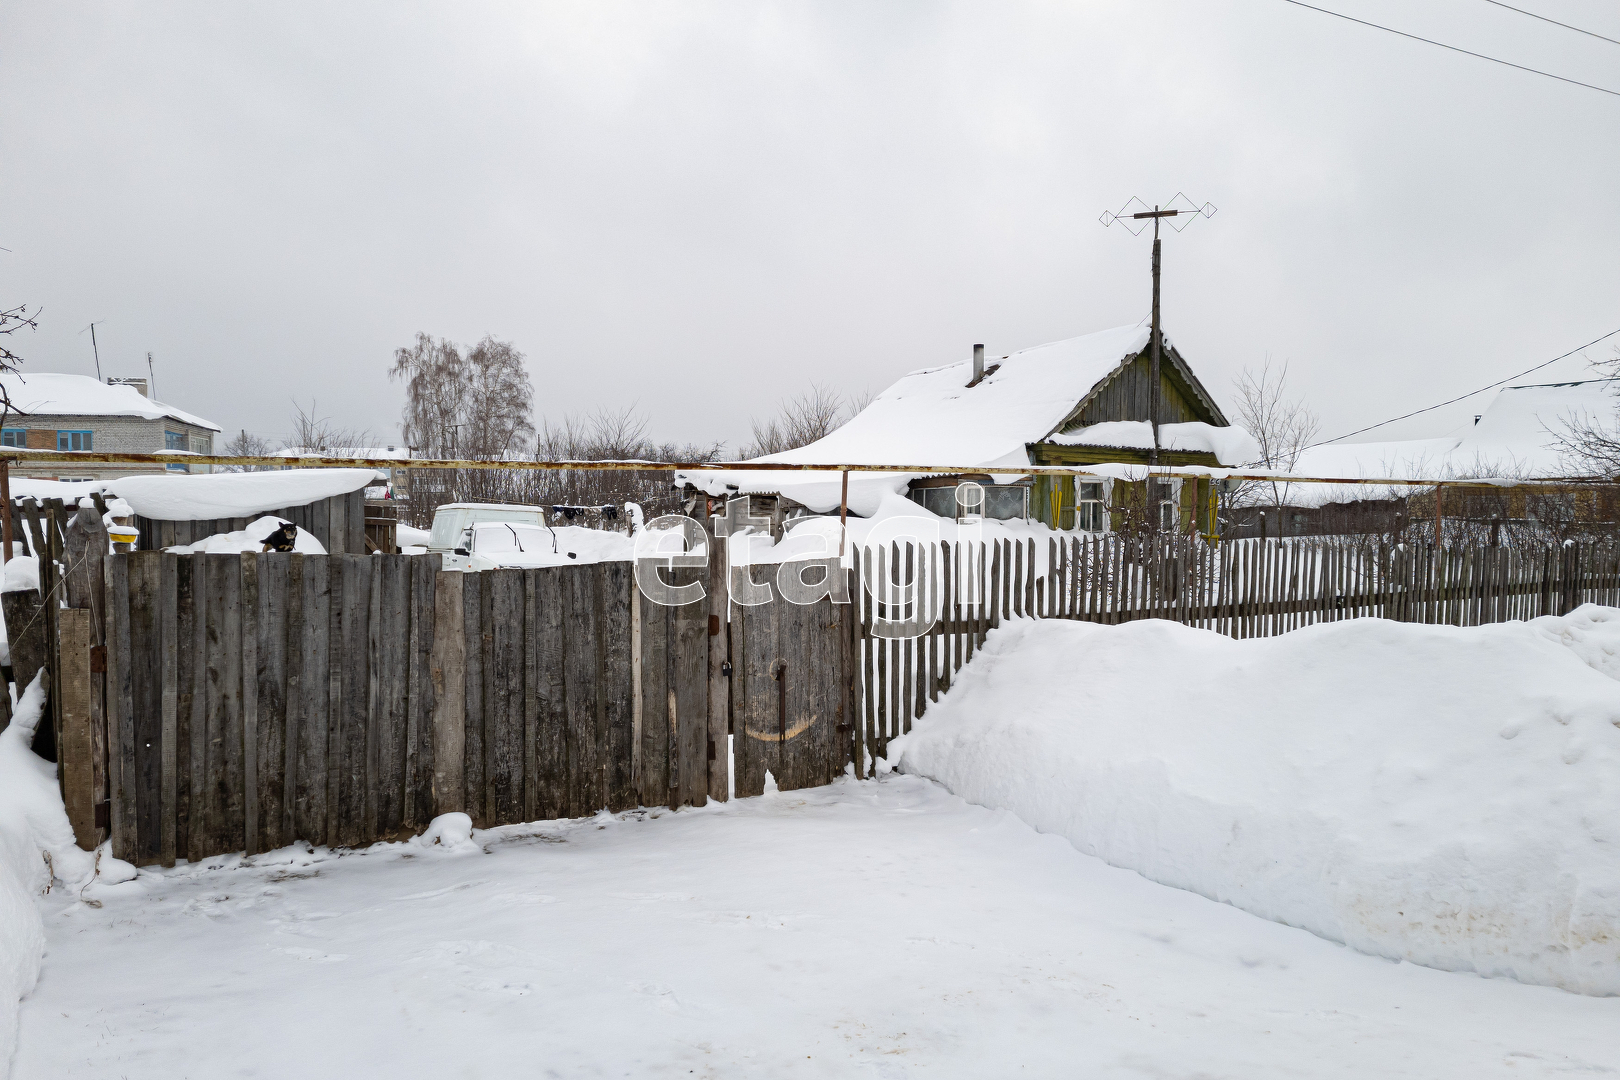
(36, 845)
(1445, 796)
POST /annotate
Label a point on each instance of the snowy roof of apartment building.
(52, 394)
(1516, 437)
(932, 417)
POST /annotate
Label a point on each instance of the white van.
(481, 536)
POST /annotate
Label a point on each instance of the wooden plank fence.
(925, 608)
(259, 699)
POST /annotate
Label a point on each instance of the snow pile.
(21, 573)
(406, 536)
(450, 833)
(36, 845)
(1439, 795)
(248, 539)
(187, 497)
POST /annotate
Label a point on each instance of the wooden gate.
(794, 693)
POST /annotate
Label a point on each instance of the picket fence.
(927, 607)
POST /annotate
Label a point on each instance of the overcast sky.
(701, 208)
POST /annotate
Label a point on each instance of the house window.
(1006, 501)
(14, 437)
(73, 440)
(1088, 509)
(175, 440)
(937, 500)
(1169, 506)
(202, 444)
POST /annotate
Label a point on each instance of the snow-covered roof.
(186, 497)
(50, 394)
(1516, 437)
(1230, 445)
(932, 417)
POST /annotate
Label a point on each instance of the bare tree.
(609, 435)
(313, 433)
(475, 402)
(12, 320)
(802, 419)
(1591, 444)
(1283, 426)
(246, 445)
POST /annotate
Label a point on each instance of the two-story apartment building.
(75, 412)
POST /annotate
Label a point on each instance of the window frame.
(7, 434)
(1090, 505)
(65, 438)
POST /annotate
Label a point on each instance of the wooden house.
(1083, 401)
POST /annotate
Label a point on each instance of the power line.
(1555, 22)
(1454, 48)
(1471, 393)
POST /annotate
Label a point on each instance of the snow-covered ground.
(883, 929)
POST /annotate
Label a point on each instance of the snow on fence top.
(932, 415)
(79, 395)
(228, 495)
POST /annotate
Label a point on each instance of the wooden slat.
(293, 736)
(689, 671)
(393, 671)
(473, 698)
(169, 621)
(74, 751)
(353, 713)
(310, 787)
(271, 752)
(449, 693)
(532, 699)
(551, 768)
(616, 598)
(504, 701)
(420, 704)
(248, 645)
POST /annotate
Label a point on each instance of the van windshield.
(449, 524)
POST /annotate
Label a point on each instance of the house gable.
(1124, 395)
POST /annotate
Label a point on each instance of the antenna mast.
(1138, 211)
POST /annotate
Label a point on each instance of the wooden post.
(843, 513)
(75, 750)
(5, 516)
(449, 665)
(1439, 504)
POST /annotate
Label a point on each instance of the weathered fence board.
(259, 699)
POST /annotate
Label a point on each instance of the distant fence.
(1244, 589)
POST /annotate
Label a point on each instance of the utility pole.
(1156, 334)
(94, 348)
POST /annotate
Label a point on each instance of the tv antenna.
(94, 348)
(1135, 215)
